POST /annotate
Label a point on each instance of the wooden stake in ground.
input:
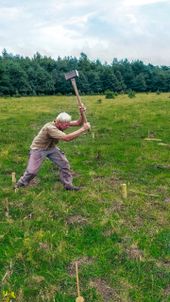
(13, 178)
(6, 207)
(93, 135)
(123, 188)
(79, 298)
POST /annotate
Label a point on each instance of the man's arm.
(75, 134)
(80, 121)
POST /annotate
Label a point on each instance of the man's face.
(63, 125)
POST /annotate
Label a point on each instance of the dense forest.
(42, 75)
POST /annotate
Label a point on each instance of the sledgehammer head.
(71, 74)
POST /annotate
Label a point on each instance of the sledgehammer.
(71, 76)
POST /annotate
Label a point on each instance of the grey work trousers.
(37, 157)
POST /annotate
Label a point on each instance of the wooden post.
(13, 178)
(6, 207)
(123, 188)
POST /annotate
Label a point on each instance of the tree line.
(42, 75)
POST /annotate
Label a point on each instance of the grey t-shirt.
(48, 136)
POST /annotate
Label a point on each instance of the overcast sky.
(103, 29)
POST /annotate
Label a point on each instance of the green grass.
(122, 246)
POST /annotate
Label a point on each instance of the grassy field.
(122, 245)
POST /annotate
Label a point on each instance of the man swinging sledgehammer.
(43, 146)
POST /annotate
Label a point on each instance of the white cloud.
(142, 2)
(102, 29)
(79, 20)
(10, 13)
(132, 18)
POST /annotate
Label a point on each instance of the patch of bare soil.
(81, 262)
(166, 293)
(167, 199)
(111, 181)
(162, 189)
(117, 206)
(107, 293)
(165, 264)
(151, 134)
(44, 246)
(135, 253)
(47, 294)
(114, 181)
(77, 219)
(37, 279)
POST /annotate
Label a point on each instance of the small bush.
(109, 94)
(122, 92)
(17, 94)
(99, 101)
(33, 92)
(131, 94)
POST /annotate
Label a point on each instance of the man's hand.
(82, 108)
(87, 126)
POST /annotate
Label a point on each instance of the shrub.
(17, 94)
(109, 94)
(131, 94)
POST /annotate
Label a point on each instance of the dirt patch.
(138, 221)
(37, 279)
(47, 294)
(108, 294)
(99, 177)
(164, 264)
(84, 261)
(109, 233)
(151, 134)
(44, 246)
(162, 189)
(77, 219)
(134, 253)
(167, 292)
(117, 206)
(167, 199)
(114, 180)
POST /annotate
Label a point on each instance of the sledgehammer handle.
(78, 98)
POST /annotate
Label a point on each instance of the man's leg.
(34, 163)
(59, 159)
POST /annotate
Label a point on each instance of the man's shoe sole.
(72, 188)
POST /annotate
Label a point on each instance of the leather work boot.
(72, 188)
(19, 185)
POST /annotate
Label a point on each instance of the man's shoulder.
(49, 125)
